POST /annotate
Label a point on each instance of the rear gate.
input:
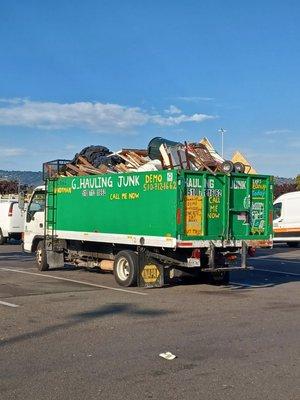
(205, 206)
(226, 207)
(250, 207)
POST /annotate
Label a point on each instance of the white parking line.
(74, 281)
(17, 256)
(4, 303)
(282, 261)
(239, 284)
(248, 285)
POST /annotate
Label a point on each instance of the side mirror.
(29, 216)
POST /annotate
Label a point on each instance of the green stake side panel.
(161, 207)
(235, 207)
(143, 204)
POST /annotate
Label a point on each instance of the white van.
(286, 219)
(11, 220)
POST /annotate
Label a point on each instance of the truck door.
(34, 223)
(250, 207)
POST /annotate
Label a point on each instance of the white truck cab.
(286, 219)
(34, 221)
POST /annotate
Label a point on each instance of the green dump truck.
(146, 225)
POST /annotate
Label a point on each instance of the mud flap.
(55, 254)
(55, 259)
(151, 272)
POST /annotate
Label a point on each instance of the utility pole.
(222, 131)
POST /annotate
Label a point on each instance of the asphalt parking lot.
(74, 334)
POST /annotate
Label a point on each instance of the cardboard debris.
(212, 150)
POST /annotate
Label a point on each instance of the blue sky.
(118, 73)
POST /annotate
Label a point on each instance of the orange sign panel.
(193, 215)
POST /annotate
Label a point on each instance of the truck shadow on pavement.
(268, 275)
(267, 283)
(15, 256)
(129, 310)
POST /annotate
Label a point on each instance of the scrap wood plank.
(139, 152)
(135, 161)
(135, 158)
(187, 155)
(91, 171)
(127, 160)
(75, 169)
(165, 156)
(174, 156)
(103, 169)
(122, 167)
(85, 162)
(141, 159)
(117, 168)
(197, 164)
(132, 161)
(199, 161)
(202, 153)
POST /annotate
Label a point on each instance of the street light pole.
(222, 131)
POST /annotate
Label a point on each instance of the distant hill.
(31, 178)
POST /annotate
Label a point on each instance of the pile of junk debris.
(160, 154)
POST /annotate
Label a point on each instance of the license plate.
(193, 262)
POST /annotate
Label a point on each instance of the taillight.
(231, 257)
(10, 210)
(251, 251)
(196, 253)
(271, 217)
(178, 216)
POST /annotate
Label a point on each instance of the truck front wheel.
(2, 238)
(292, 244)
(126, 268)
(41, 257)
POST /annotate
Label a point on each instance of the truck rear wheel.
(219, 277)
(41, 257)
(126, 268)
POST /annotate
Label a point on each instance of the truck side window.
(277, 210)
(37, 203)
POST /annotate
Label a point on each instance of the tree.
(8, 187)
(298, 182)
(284, 188)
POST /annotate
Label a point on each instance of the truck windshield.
(277, 210)
(37, 202)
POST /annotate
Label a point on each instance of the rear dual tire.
(3, 239)
(292, 244)
(219, 277)
(126, 268)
